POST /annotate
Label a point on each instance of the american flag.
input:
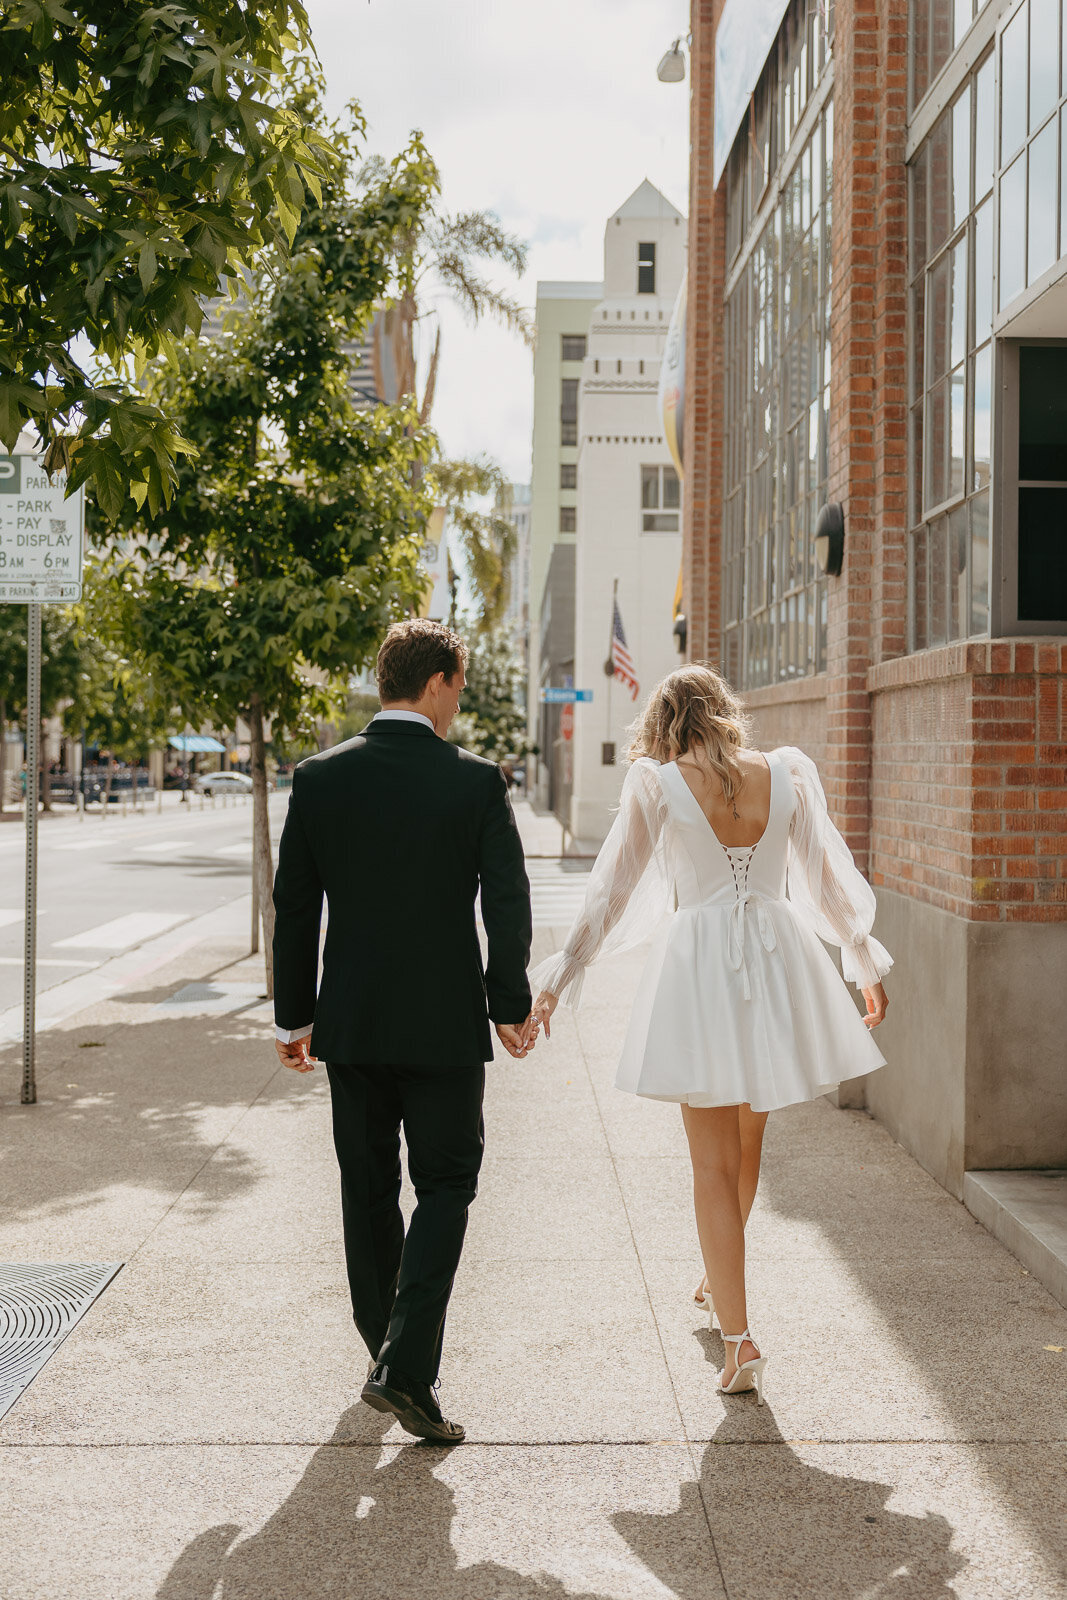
(621, 659)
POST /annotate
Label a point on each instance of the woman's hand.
(543, 1008)
(877, 1005)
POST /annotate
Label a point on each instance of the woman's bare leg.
(715, 1147)
(751, 1125)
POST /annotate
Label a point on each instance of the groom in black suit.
(400, 830)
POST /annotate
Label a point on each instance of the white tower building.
(628, 515)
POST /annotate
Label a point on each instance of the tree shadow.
(353, 1528)
(784, 1529)
(143, 1105)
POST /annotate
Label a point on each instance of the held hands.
(877, 1005)
(295, 1055)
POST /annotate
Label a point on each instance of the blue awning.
(195, 743)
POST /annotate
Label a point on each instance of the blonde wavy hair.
(694, 708)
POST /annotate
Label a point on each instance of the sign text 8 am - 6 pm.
(41, 534)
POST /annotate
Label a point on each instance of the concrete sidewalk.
(199, 1436)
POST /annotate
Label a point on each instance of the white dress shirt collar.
(403, 716)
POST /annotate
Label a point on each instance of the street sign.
(41, 539)
(41, 534)
(564, 697)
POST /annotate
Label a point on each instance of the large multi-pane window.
(937, 27)
(951, 271)
(1033, 146)
(776, 399)
(776, 431)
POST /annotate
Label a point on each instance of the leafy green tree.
(145, 160)
(292, 539)
(492, 719)
(486, 540)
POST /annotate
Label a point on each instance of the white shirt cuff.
(291, 1035)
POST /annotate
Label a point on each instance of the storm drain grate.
(40, 1302)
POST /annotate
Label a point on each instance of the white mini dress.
(739, 1001)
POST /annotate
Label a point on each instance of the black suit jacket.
(399, 829)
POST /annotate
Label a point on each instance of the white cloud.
(549, 114)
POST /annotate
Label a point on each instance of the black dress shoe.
(414, 1404)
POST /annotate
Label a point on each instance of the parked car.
(224, 783)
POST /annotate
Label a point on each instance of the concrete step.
(1027, 1211)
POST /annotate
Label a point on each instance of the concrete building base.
(1027, 1211)
(974, 1042)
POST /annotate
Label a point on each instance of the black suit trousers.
(401, 1284)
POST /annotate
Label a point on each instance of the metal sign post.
(33, 779)
(41, 538)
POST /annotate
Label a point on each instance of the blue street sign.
(563, 697)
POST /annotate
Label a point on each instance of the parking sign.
(41, 534)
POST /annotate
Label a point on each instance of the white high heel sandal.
(749, 1374)
(703, 1299)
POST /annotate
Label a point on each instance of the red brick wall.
(968, 802)
(943, 769)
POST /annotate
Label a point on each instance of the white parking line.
(45, 961)
(123, 932)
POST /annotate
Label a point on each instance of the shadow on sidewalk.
(353, 1528)
(137, 1104)
(783, 1528)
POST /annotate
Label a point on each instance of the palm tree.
(485, 539)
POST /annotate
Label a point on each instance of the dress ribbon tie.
(768, 938)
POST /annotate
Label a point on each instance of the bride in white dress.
(729, 858)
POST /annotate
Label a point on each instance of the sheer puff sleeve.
(628, 890)
(825, 885)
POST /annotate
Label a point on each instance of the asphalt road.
(106, 884)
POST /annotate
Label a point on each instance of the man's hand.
(877, 1005)
(295, 1055)
(517, 1039)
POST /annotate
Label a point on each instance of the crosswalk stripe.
(122, 932)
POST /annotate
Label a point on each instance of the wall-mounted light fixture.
(830, 538)
(672, 67)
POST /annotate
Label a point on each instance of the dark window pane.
(568, 519)
(939, 180)
(568, 410)
(1013, 231)
(646, 269)
(958, 437)
(980, 564)
(671, 489)
(936, 434)
(574, 345)
(920, 44)
(1043, 412)
(982, 412)
(938, 578)
(568, 475)
(1043, 555)
(1013, 76)
(1041, 202)
(660, 522)
(920, 589)
(959, 579)
(961, 158)
(984, 130)
(983, 273)
(1044, 59)
(650, 488)
(568, 433)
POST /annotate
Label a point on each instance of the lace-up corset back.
(707, 871)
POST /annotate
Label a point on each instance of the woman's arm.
(625, 894)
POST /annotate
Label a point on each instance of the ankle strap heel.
(749, 1374)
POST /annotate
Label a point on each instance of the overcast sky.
(547, 112)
